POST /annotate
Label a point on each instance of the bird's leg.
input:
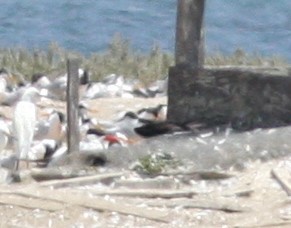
(17, 165)
(27, 164)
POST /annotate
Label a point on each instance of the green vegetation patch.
(156, 163)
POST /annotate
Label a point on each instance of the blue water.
(87, 26)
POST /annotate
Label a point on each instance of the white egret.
(24, 123)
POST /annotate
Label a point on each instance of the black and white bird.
(42, 151)
(56, 88)
(52, 128)
(158, 113)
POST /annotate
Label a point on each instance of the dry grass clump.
(119, 58)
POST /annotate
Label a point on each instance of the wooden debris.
(239, 192)
(152, 183)
(282, 178)
(209, 204)
(31, 203)
(94, 179)
(41, 174)
(87, 201)
(200, 174)
(148, 193)
(270, 224)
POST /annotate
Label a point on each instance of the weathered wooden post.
(189, 56)
(189, 47)
(243, 98)
(73, 135)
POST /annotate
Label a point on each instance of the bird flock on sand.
(33, 125)
(35, 134)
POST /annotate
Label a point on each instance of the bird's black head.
(94, 131)
(82, 106)
(50, 149)
(21, 84)
(96, 160)
(84, 79)
(3, 71)
(130, 115)
(61, 116)
(35, 77)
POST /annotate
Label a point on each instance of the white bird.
(52, 128)
(111, 86)
(95, 90)
(10, 98)
(24, 122)
(56, 89)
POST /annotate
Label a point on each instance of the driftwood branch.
(82, 180)
(208, 204)
(200, 174)
(152, 183)
(149, 193)
(41, 174)
(31, 203)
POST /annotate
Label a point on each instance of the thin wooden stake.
(73, 135)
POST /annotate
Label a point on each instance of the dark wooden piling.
(189, 54)
(189, 48)
(73, 135)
